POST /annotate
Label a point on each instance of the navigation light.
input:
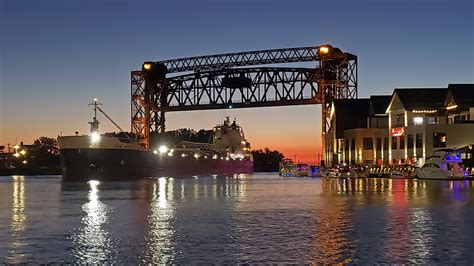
(95, 137)
(163, 149)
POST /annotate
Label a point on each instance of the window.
(385, 143)
(430, 120)
(402, 142)
(439, 140)
(419, 141)
(368, 143)
(346, 143)
(430, 165)
(394, 143)
(353, 144)
(398, 121)
(418, 120)
(410, 141)
(379, 144)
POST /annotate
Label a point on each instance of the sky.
(56, 55)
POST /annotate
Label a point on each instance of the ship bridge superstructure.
(261, 78)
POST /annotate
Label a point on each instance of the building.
(459, 103)
(358, 128)
(404, 128)
(422, 120)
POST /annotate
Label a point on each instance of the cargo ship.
(121, 157)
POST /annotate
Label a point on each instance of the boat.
(340, 171)
(442, 164)
(396, 174)
(122, 157)
(302, 169)
(288, 168)
(315, 171)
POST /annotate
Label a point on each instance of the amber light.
(324, 49)
(147, 66)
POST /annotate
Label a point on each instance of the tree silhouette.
(46, 153)
(266, 160)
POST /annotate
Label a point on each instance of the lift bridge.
(241, 80)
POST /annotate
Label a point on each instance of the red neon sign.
(397, 131)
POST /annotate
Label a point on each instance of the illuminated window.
(418, 120)
(439, 140)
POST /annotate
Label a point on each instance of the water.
(241, 219)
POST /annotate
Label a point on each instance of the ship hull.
(117, 164)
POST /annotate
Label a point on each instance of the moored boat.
(443, 164)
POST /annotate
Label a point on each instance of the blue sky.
(57, 55)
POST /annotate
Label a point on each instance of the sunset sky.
(57, 55)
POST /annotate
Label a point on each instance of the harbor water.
(260, 218)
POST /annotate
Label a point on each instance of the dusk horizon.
(76, 52)
(229, 132)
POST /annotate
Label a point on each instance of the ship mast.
(95, 123)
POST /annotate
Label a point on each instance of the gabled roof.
(361, 106)
(461, 94)
(421, 98)
(350, 113)
(379, 104)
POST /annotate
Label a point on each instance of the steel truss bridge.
(240, 80)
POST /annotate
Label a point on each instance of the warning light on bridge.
(324, 49)
(147, 66)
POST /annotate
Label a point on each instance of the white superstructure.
(443, 164)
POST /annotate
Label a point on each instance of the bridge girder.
(250, 58)
(225, 81)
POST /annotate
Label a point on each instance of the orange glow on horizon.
(294, 130)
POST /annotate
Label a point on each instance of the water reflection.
(159, 241)
(217, 187)
(18, 204)
(93, 243)
(237, 219)
(397, 229)
(401, 209)
(421, 228)
(331, 244)
(18, 217)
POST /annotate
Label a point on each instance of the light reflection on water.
(92, 244)
(243, 219)
(331, 244)
(159, 241)
(18, 217)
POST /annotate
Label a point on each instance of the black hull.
(118, 164)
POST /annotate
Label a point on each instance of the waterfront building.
(358, 127)
(404, 128)
(422, 120)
